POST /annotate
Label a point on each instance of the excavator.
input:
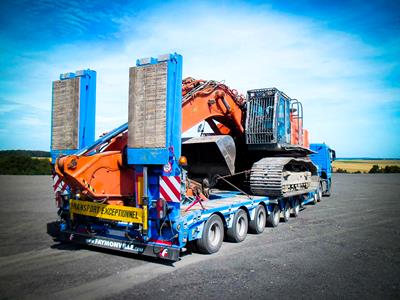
(256, 144)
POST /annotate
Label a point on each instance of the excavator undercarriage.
(282, 176)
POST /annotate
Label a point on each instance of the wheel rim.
(287, 212)
(214, 234)
(276, 216)
(241, 226)
(297, 208)
(325, 186)
(261, 219)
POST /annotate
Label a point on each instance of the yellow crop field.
(352, 166)
(48, 158)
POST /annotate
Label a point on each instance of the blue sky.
(341, 59)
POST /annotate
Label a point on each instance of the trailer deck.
(225, 200)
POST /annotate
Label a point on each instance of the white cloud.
(329, 71)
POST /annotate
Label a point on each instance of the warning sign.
(110, 212)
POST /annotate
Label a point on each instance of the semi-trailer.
(133, 189)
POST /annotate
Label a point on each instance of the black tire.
(273, 217)
(319, 192)
(213, 235)
(315, 198)
(328, 192)
(257, 225)
(286, 212)
(295, 208)
(238, 232)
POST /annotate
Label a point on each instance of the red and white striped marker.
(170, 188)
(58, 184)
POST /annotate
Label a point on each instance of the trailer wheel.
(319, 192)
(274, 216)
(286, 212)
(315, 198)
(213, 235)
(328, 191)
(238, 232)
(295, 209)
(257, 225)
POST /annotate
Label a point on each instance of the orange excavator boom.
(213, 102)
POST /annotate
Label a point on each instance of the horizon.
(337, 158)
(341, 60)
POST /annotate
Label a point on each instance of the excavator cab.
(273, 120)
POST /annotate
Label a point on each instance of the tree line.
(386, 169)
(375, 169)
(24, 162)
(34, 162)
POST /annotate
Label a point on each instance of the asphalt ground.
(347, 246)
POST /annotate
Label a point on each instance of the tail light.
(163, 253)
(59, 200)
(161, 206)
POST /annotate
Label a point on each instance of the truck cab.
(323, 158)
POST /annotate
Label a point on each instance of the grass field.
(352, 166)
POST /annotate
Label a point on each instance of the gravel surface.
(347, 246)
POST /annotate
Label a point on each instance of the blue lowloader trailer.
(150, 225)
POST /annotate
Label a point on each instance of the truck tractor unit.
(142, 188)
(322, 158)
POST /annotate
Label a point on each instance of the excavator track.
(282, 176)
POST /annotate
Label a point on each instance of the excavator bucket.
(209, 156)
